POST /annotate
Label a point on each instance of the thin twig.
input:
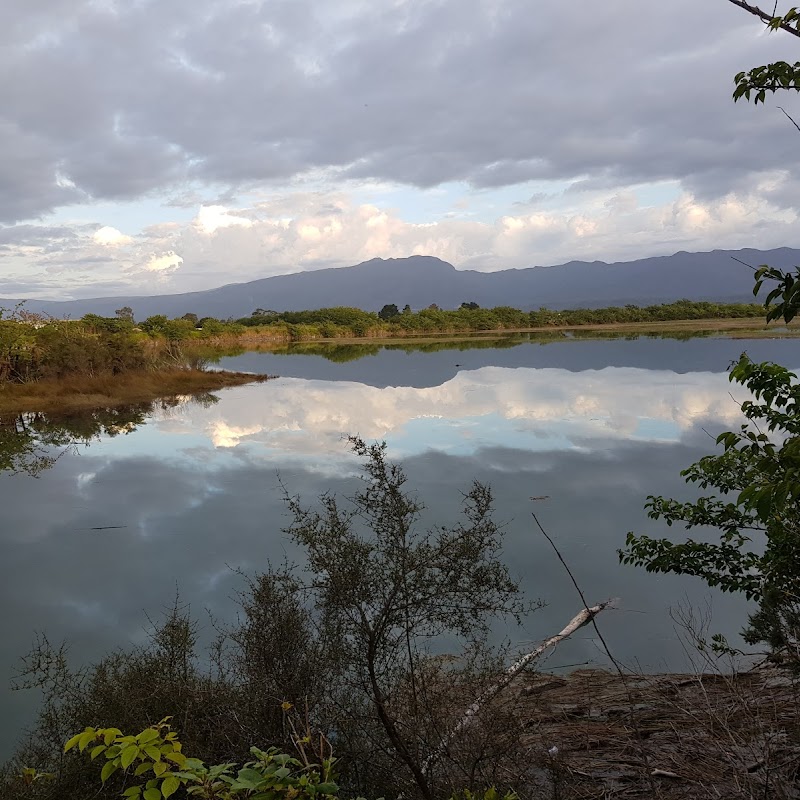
(789, 118)
(749, 266)
(622, 674)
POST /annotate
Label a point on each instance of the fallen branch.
(583, 617)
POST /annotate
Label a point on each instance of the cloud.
(110, 237)
(119, 100)
(310, 230)
(211, 218)
(166, 262)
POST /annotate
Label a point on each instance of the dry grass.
(73, 394)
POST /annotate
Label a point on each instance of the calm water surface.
(190, 494)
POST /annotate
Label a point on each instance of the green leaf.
(152, 794)
(86, 738)
(147, 736)
(96, 751)
(109, 735)
(128, 755)
(153, 752)
(109, 769)
(170, 786)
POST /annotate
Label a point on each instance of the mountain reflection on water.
(191, 493)
(428, 364)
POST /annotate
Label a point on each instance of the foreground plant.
(155, 757)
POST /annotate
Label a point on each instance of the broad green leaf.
(86, 738)
(170, 786)
(147, 736)
(109, 735)
(97, 750)
(128, 755)
(109, 769)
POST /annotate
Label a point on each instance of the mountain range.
(420, 281)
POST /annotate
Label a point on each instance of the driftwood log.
(583, 617)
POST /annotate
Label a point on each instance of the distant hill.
(422, 280)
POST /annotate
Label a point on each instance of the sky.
(162, 146)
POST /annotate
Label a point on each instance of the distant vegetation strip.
(35, 348)
(390, 321)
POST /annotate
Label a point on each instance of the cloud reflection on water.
(537, 409)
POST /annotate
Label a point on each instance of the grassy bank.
(55, 365)
(82, 392)
(267, 339)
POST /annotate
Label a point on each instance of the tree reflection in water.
(32, 442)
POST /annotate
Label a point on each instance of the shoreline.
(141, 386)
(734, 327)
(106, 391)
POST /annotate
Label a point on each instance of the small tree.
(757, 511)
(388, 311)
(125, 313)
(471, 306)
(383, 589)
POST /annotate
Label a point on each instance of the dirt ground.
(597, 735)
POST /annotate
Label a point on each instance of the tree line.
(333, 322)
(343, 321)
(33, 347)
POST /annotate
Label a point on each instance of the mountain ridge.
(419, 281)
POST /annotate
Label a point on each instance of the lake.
(184, 496)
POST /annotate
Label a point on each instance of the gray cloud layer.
(115, 100)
